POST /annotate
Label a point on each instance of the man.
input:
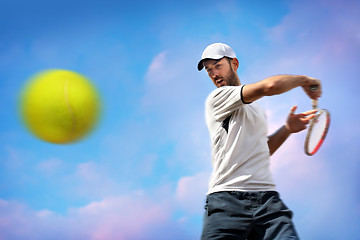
(242, 202)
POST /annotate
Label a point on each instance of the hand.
(298, 122)
(308, 87)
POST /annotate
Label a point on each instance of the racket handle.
(314, 104)
(313, 88)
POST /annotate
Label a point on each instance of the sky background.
(143, 172)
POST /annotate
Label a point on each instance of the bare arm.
(294, 123)
(280, 84)
(277, 85)
(277, 139)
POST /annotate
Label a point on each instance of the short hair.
(228, 59)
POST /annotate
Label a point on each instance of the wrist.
(287, 128)
(303, 80)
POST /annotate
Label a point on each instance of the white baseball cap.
(216, 51)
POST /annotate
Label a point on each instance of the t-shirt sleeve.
(224, 101)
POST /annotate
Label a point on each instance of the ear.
(235, 64)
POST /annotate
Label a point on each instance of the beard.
(231, 78)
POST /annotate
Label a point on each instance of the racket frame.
(313, 122)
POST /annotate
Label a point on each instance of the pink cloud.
(133, 216)
(191, 192)
(124, 217)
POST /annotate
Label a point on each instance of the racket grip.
(314, 104)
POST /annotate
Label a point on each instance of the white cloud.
(50, 167)
(45, 213)
(92, 180)
(89, 171)
(156, 69)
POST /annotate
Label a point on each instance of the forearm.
(273, 85)
(294, 123)
(277, 139)
(283, 83)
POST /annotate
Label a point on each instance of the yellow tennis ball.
(60, 106)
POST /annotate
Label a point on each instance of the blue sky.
(143, 172)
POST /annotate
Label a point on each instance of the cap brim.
(201, 65)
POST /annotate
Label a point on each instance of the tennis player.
(242, 201)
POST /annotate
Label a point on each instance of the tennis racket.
(318, 128)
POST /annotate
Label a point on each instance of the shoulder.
(225, 93)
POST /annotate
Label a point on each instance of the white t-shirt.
(240, 153)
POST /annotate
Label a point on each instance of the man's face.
(221, 72)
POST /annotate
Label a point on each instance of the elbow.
(270, 88)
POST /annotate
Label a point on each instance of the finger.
(310, 117)
(304, 116)
(309, 112)
(293, 109)
(307, 119)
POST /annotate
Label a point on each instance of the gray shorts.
(247, 215)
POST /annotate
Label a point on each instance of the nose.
(213, 74)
